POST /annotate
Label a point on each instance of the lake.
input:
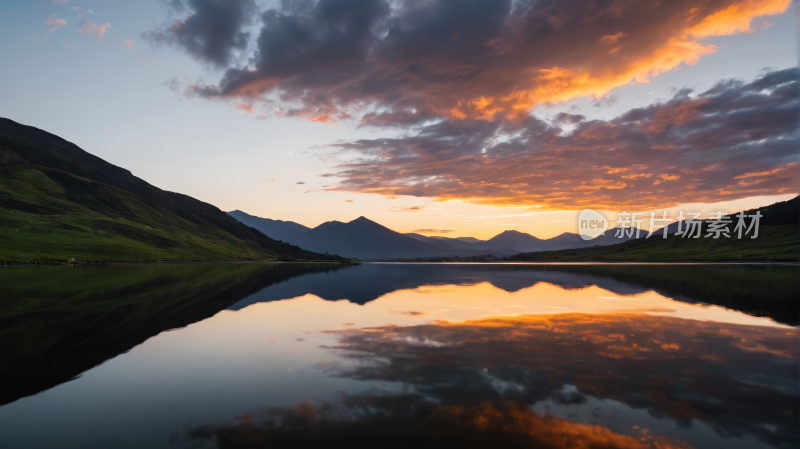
(390, 355)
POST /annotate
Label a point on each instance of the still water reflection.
(271, 355)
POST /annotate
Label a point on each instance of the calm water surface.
(391, 355)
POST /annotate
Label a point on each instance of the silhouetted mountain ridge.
(63, 202)
(276, 229)
(368, 240)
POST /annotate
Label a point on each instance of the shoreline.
(624, 262)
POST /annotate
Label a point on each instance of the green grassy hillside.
(778, 240)
(59, 202)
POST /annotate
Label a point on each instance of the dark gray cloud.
(605, 101)
(213, 32)
(568, 119)
(410, 62)
(737, 139)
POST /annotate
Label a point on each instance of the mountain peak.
(365, 222)
(511, 232)
(566, 236)
(509, 236)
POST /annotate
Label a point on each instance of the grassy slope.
(59, 202)
(778, 240)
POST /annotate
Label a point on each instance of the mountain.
(778, 240)
(366, 240)
(468, 239)
(513, 242)
(458, 242)
(608, 238)
(459, 239)
(514, 239)
(568, 237)
(361, 238)
(435, 242)
(59, 202)
(286, 231)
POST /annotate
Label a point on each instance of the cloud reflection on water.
(482, 382)
(408, 419)
(739, 379)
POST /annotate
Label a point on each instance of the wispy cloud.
(526, 214)
(435, 231)
(95, 29)
(406, 208)
(54, 23)
(246, 108)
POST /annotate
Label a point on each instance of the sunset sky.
(464, 116)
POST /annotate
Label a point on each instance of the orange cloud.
(321, 118)
(93, 28)
(560, 84)
(248, 109)
(603, 163)
(737, 18)
(767, 173)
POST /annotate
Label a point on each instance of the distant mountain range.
(58, 202)
(276, 229)
(366, 240)
(361, 238)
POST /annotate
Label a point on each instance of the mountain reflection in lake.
(265, 355)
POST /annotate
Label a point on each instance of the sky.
(453, 118)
